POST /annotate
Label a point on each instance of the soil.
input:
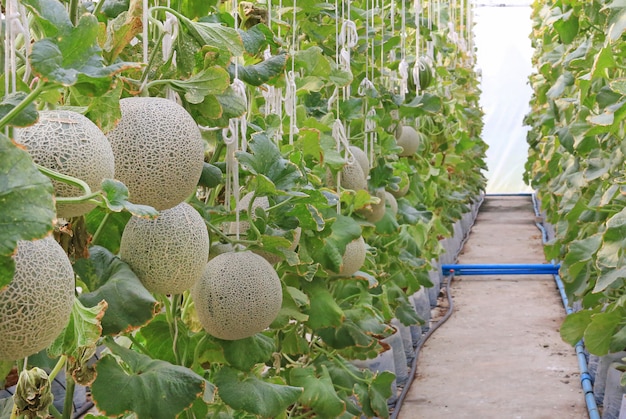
(500, 354)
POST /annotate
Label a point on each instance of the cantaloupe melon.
(409, 139)
(362, 159)
(168, 253)
(353, 257)
(351, 177)
(159, 152)
(239, 295)
(391, 202)
(69, 143)
(37, 304)
(375, 212)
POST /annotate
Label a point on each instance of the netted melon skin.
(71, 144)
(353, 257)
(362, 159)
(167, 253)
(37, 304)
(239, 295)
(159, 151)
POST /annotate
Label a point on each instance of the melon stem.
(31, 97)
(69, 180)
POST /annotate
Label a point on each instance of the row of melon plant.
(576, 160)
(231, 261)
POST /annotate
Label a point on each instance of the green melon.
(69, 143)
(409, 139)
(239, 295)
(159, 151)
(168, 253)
(391, 202)
(375, 212)
(353, 257)
(37, 304)
(362, 159)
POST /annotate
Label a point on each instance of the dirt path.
(500, 354)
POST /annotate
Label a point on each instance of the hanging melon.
(159, 151)
(409, 139)
(69, 143)
(37, 304)
(238, 295)
(167, 253)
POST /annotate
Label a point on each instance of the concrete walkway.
(500, 354)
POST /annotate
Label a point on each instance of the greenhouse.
(312, 209)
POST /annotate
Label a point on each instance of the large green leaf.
(247, 392)
(319, 393)
(79, 340)
(324, 310)
(26, 202)
(600, 330)
(157, 336)
(210, 81)
(226, 39)
(265, 159)
(130, 305)
(153, 389)
(244, 354)
(70, 54)
(573, 328)
(263, 72)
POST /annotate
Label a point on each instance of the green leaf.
(110, 235)
(574, 326)
(210, 81)
(79, 340)
(83, 329)
(248, 393)
(562, 82)
(226, 39)
(567, 27)
(26, 202)
(599, 332)
(152, 389)
(374, 396)
(23, 119)
(313, 62)
(582, 250)
(57, 60)
(116, 198)
(244, 354)
(103, 110)
(256, 38)
(265, 159)
(110, 279)
(263, 72)
(618, 86)
(51, 15)
(122, 29)
(604, 60)
(324, 310)
(319, 393)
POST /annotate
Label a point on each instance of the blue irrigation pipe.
(585, 378)
(501, 269)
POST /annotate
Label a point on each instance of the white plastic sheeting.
(504, 55)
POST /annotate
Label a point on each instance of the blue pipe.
(500, 269)
(585, 378)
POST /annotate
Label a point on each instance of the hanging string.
(417, 8)
(293, 98)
